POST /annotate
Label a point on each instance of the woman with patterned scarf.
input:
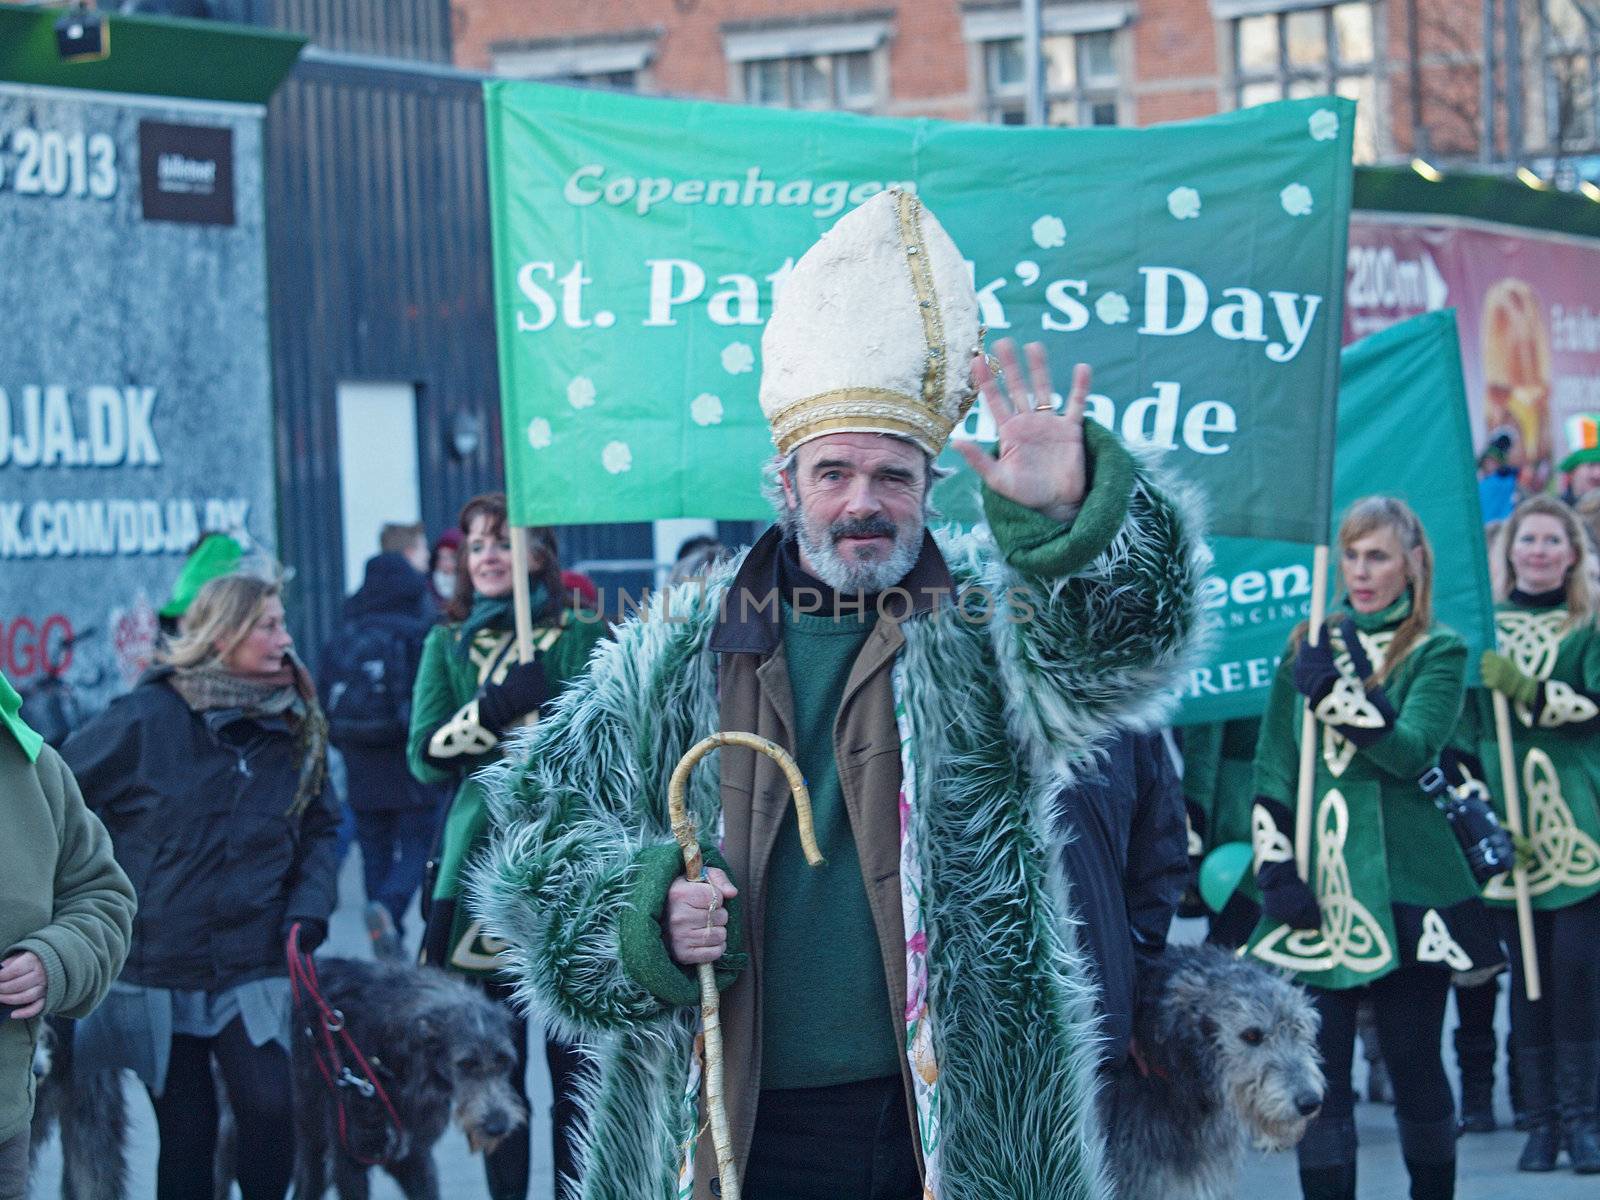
(210, 777)
(1390, 911)
(1548, 668)
(471, 696)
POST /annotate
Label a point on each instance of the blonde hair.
(219, 619)
(1580, 594)
(1369, 515)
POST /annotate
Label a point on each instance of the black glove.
(1286, 898)
(1284, 895)
(524, 690)
(1311, 676)
(1365, 735)
(312, 934)
(1314, 669)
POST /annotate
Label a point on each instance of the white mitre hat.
(873, 332)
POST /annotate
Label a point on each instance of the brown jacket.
(755, 697)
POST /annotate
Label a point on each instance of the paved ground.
(1488, 1170)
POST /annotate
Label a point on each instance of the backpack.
(367, 675)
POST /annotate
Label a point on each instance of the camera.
(1483, 839)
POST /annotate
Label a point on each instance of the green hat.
(11, 720)
(215, 556)
(1583, 435)
(1221, 871)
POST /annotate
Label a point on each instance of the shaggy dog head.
(1262, 1035)
(476, 1056)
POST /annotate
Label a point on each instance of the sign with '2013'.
(135, 407)
(58, 163)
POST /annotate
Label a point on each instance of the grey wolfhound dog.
(90, 1112)
(437, 1046)
(1230, 1051)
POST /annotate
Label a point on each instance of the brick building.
(1108, 61)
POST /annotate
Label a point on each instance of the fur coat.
(1001, 712)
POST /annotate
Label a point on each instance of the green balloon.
(1221, 871)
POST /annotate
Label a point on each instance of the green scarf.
(1384, 617)
(11, 718)
(496, 612)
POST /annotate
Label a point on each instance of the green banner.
(638, 244)
(1404, 430)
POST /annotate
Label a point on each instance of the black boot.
(1327, 1155)
(1429, 1149)
(1475, 1055)
(1432, 1181)
(1536, 1068)
(1329, 1183)
(1519, 1111)
(1577, 1073)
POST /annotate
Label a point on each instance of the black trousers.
(1475, 1007)
(258, 1082)
(1568, 942)
(1408, 1006)
(506, 1169)
(852, 1141)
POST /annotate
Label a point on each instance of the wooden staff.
(1308, 723)
(694, 868)
(521, 603)
(1519, 873)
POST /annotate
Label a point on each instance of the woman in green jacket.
(1548, 667)
(472, 695)
(1391, 909)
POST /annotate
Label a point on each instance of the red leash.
(323, 1026)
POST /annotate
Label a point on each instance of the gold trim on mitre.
(882, 410)
(860, 410)
(909, 210)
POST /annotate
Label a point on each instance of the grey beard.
(850, 576)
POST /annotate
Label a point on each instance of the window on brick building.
(1081, 78)
(788, 63)
(813, 81)
(620, 62)
(1570, 80)
(1311, 52)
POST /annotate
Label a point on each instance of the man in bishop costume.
(914, 1018)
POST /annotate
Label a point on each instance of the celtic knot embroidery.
(1531, 640)
(1337, 751)
(1347, 703)
(1565, 706)
(1350, 936)
(1271, 845)
(462, 735)
(1564, 854)
(1436, 944)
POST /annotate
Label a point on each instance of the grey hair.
(779, 465)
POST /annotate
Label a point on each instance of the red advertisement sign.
(1528, 309)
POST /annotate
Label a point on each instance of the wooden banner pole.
(521, 602)
(1519, 873)
(1308, 723)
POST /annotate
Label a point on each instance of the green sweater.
(825, 1017)
(62, 896)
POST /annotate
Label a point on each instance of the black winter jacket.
(1127, 863)
(394, 597)
(197, 808)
